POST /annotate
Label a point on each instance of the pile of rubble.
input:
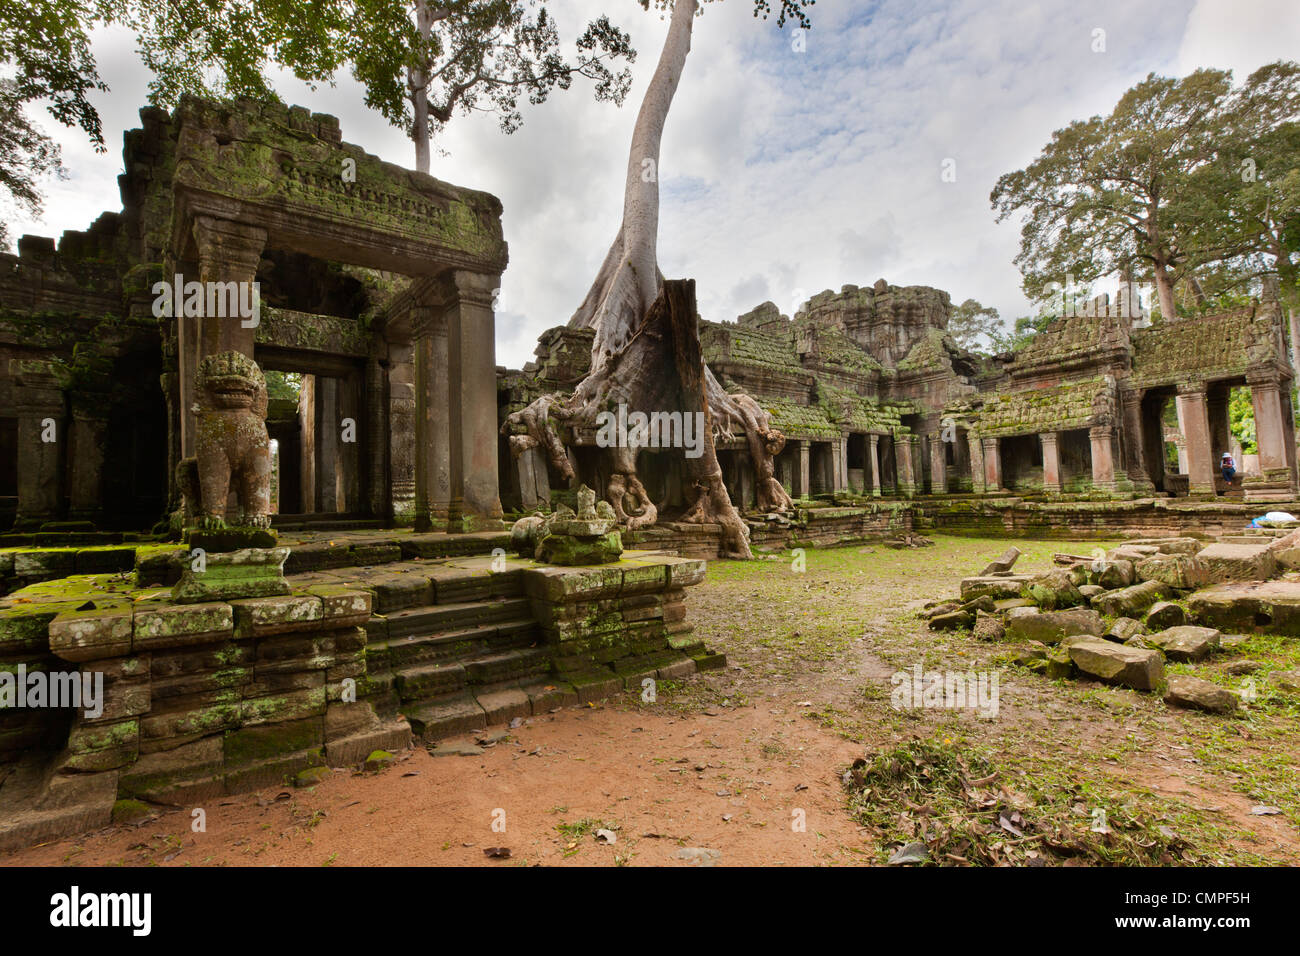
(1118, 616)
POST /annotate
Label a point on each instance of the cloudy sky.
(784, 171)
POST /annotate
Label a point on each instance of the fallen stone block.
(945, 607)
(1118, 664)
(1004, 562)
(1124, 628)
(1288, 681)
(1179, 545)
(951, 620)
(1131, 552)
(1181, 571)
(1186, 691)
(1185, 643)
(1111, 574)
(1237, 562)
(1055, 589)
(1165, 614)
(1271, 607)
(988, 627)
(1050, 627)
(1130, 601)
(1027, 656)
(995, 586)
(1057, 663)
(1288, 558)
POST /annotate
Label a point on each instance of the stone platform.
(1048, 518)
(210, 698)
(316, 548)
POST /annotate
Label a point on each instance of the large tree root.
(661, 368)
(646, 350)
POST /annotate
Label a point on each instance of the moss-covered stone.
(126, 812)
(379, 760)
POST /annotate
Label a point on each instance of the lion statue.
(231, 445)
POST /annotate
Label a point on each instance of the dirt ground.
(743, 766)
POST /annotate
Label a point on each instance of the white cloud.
(783, 173)
(1240, 36)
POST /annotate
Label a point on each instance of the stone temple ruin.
(255, 459)
(880, 407)
(212, 586)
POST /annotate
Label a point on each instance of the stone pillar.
(307, 449)
(432, 420)
(938, 465)
(992, 465)
(401, 432)
(376, 439)
(534, 480)
(905, 461)
(873, 451)
(327, 445)
(1103, 457)
(228, 252)
(976, 462)
(42, 440)
(350, 443)
(745, 497)
(1270, 431)
(1134, 443)
(1216, 408)
(840, 464)
(1051, 463)
(1194, 420)
(471, 379)
(87, 441)
(804, 487)
(170, 383)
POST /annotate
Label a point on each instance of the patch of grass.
(964, 809)
(581, 828)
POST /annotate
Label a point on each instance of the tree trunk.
(1165, 290)
(417, 79)
(630, 359)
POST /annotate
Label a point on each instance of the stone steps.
(440, 618)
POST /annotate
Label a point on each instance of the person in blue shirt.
(1229, 467)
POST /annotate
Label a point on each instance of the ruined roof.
(834, 348)
(930, 352)
(800, 421)
(1212, 346)
(1029, 411)
(1072, 338)
(858, 413)
(289, 171)
(744, 345)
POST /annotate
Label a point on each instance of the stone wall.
(1106, 519)
(211, 698)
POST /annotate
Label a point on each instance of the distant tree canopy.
(1187, 180)
(981, 329)
(974, 326)
(45, 49)
(421, 62)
